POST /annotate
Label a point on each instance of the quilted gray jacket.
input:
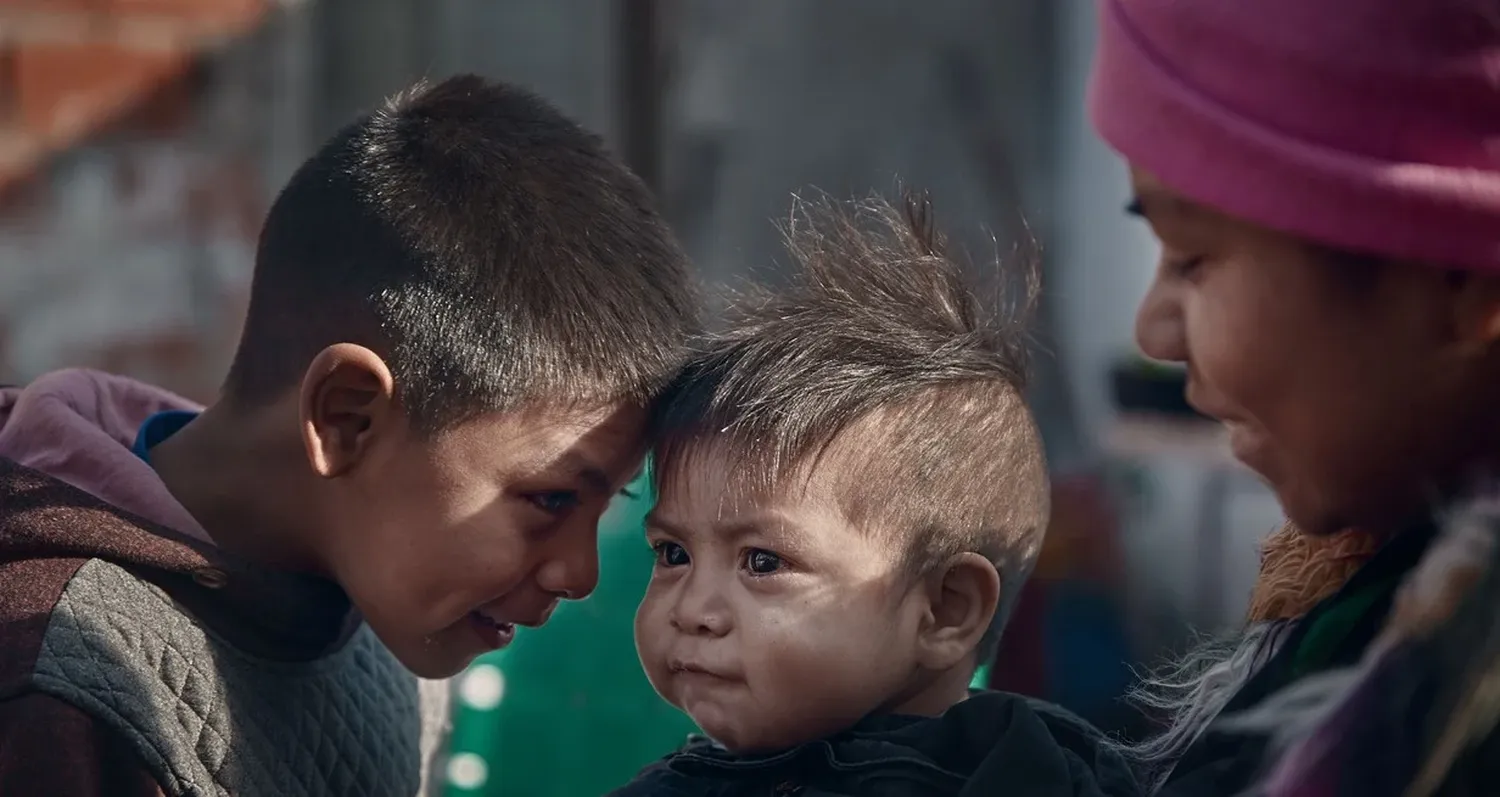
(136, 662)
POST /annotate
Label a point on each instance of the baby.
(851, 494)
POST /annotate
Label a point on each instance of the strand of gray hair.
(1190, 691)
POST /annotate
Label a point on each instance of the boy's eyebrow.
(581, 468)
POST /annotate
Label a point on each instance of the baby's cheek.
(650, 628)
(809, 683)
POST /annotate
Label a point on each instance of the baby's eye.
(670, 554)
(555, 502)
(761, 562)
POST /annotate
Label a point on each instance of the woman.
(1324, 178)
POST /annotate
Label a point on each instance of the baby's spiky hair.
(879, 331)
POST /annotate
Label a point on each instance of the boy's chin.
(433, 669)
(428, 657)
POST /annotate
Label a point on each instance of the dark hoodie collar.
(1021, 745)
(267, 613)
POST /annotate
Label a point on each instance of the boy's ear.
(347, 400)
(963, 597)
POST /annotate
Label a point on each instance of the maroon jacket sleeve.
(49, 747)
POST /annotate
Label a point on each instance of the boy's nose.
(573, 571)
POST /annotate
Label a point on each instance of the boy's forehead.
(597, 447)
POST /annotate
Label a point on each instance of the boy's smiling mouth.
(494, 633)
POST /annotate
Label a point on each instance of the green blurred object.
(566, 711)
(981, 679)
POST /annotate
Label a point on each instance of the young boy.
(851, 494)
(462, 309)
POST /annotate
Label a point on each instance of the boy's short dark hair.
(485, 245)
(879, 328)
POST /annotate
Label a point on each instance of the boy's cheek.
(396, 590)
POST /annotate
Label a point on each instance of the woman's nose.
(1159, 329)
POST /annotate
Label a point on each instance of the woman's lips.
(1243, 442)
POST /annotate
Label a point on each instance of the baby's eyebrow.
(738, 529)
(772, 528)
(654, 520)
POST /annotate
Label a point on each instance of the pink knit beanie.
(1371, 125)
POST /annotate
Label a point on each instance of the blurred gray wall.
(758, 100)
(134, 253)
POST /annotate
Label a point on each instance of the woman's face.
(1360, 391)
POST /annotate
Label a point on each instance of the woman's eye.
(554, 502)
(1183, 266)
(670, 554)
(762, 563)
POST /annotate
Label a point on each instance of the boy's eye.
(554, 502)
(762, 563)
(670, 554)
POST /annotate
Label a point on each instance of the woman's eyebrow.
(1154, 206)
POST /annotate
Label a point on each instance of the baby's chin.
(750, 738)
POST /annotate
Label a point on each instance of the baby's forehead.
(740, 477)
(738, 518)
(793, 523)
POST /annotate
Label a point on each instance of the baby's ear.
(347, 400)
(963, 595)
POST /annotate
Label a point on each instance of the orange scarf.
(1298, 570)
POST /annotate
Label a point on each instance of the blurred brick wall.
(134, 258)
(131, 252)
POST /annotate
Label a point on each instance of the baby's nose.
(699, 622)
